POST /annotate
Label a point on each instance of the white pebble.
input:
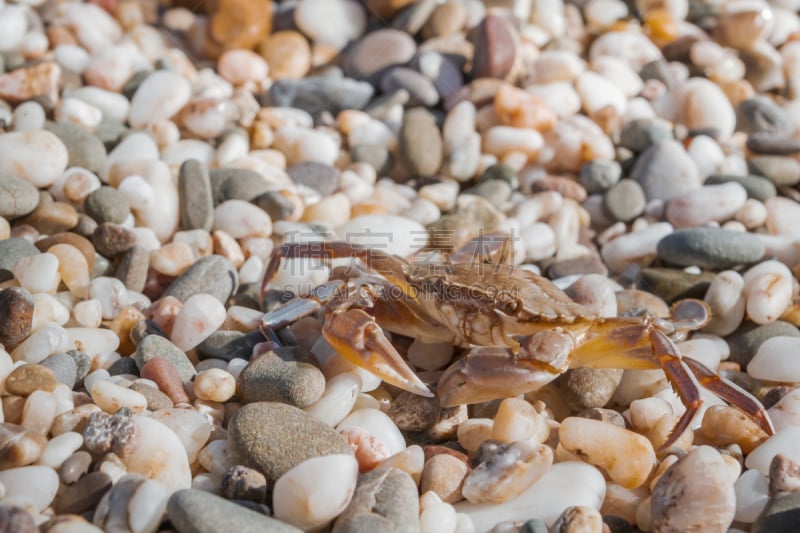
(192, 428)
(726, 298)
(21, 156)
(214, 385)
(113, 105)
(78, 112)
(39, 412)
(777, 359)
(159, 456)
(636, 247)
(331, 22)
(34, 486)
(500, 140)
(111, 293)
(752, 493)
(38, 273)
(711, 203)
(93, 341)
(783, 442)
(88, 313)
(200, 316)
(240, 66)
(110, 398)
(59, 448)
(315, 491)
(239, 218)
(377, 424)
(216, 457)
(341, 393)
(160, 96)
(783, 215)
(49, 339)
(47, 308)
(29, 116)
(768, 291)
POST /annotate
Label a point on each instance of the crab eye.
(510, 307)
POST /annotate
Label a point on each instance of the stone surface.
(85, 149)
(385, 500)
(196, 201)
(16, 316)
(17, 197)
(665, 170)
(198, 511)
(269, 378)
(420, 143)
(153, 346)
(213, 275)
(711, 248)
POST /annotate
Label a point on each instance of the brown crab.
(523, 331)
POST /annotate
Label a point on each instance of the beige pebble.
(215, 385)
(518, 420)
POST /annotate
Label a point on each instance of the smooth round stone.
(757, 187)
(711, 203)
(198, 511)
(317, 94)
(711, 248)
(273, 438)
(378, 50)
(192, 428)
(315, 491)
(153, 346)
(12, 250)
(775, 360)
(17, 197)
(745, 342)
(420, 143)
(160, 96)
(242, 66)
(625, 201)
(107, 204)
(762, 114)
(287, 53)
(111, 240)
(155, 398)
(16, 316)
(639, 134)
(780, 170)
(399, 509)
(697, 491)
(236, 184)
(84, 149)
(324, 179)
(332, 23)
(269, 378)
(598, 176)
(160, 455)
(704, 105)
(25, 379)
(201, 315)
(421, 89)
(194, 193)
(395, 235)
(21, 157)
(111, 397)
(84, 494)
(213, 275)
(33, 486)
(665, 170)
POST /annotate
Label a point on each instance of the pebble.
(17, 197)
(711, 248)
(317, 94)
(106, 433)
(398, 511)
(153, 346)
(201, 511)
(420, 143)
(379, 50)
(111, 240)
(762, 114)
(780, 514)
(16, 316)
(376, 424)
(625, 200)
(19, 157)
(665, 171)
(20, 446)
(757, 187)
(160, 96)
(745, 342)
(84, 494)
(639, 134)
(268, 378)
(773, 360)
(682, 500)
(287, 52)
(26, 379)
(273, 438)
(444, 475)
(325, 179)
(201, 315)
(134, 502)
(711, 203)
(598, 176)
(107, 204)
(212, 275)
(84, 149)
(74, 467)
(585, 388)
(780, 170)
(196, 201)
(34, 486)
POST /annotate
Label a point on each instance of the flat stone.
(196, 203)
(214, 275)
(322, 178)
(12, 250)
(64, 368)
(745, 341)
(85, 149)
(17, 197)
(153, 346)
(16, 316)
(625, 201)
(236, 184)
(665, 171)
(273, 438)
(317, 94)
(84, 494)
(198, 511)
(772, 143)
(495, 48)
(420, 143)
(386, 499)
(269, 378)
(780, 170)
(107, 204)
(711, 248)
(757, 187)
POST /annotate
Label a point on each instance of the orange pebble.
(521, 109)
(163, 374)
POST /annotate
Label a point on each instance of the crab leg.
(731, 393)
(359, 339)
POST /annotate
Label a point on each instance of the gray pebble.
(75, 466)
(12, 250)
(194, 192)
(153, 346)
(501, 172)
(155, 398)
(374, 155)
(123, 365)
(132, 268)
(107, 204)
(411, 19)
(496, 192)
(17, 197)
(64, 367)
(598, 176)
(83, 364)
(324, 179)
(214, 275)
(420, 143)
(110, 132)
(745, 341)
(378, 50)
(236, 184)
(780, 515)
(269, 378)
(780, 170)
(640, 134)
(757, 187)
(625, 201)
(385, 500)
(274, 438)
(229, 344)
(15, 519)
(665, 171)
(534, 525)
(84, 494)
(198, 511)
(86, 226)
(106, 433)
(16, 316)
(762, 114)
(447, 77)
(85, 149)
(673, 284)
(111, 240)
(242, 483)
(276, 204)
(317, 94)
(771, 143)
(421, 90)
(711, 248)
(584, 387)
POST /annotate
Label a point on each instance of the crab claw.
(359, 339)
(490, 373)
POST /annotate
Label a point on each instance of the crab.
(520, 330)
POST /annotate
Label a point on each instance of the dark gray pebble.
(84, 494)
(194, 192)
(132, 268)
(771, 143)
(123, 365)
(236, 184)
(711, 248)
(276, 204)
(63, 366)
(107, 204)
(229, 344)
(762, 114)
(421, 90)
(780, 515)
(155, 398)
(640, 134)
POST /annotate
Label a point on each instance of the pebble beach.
(155, 155)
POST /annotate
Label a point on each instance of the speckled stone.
(111, 433)
(712, 248)
(83, 364)
(17, 197)
(673, 284)
(386, 499)
(271, 379)
(196, 202)
(64, 368)
(84, 494)
(273, 438)
(322, 178)
(85, 149)
(107, 204)
(153, 346)
(214, 275)
(745, 341)
(155, 398)
(242, 483)
(16, 316)
(420, 143)
(411, 412)
(198, 511)
(584, 387)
